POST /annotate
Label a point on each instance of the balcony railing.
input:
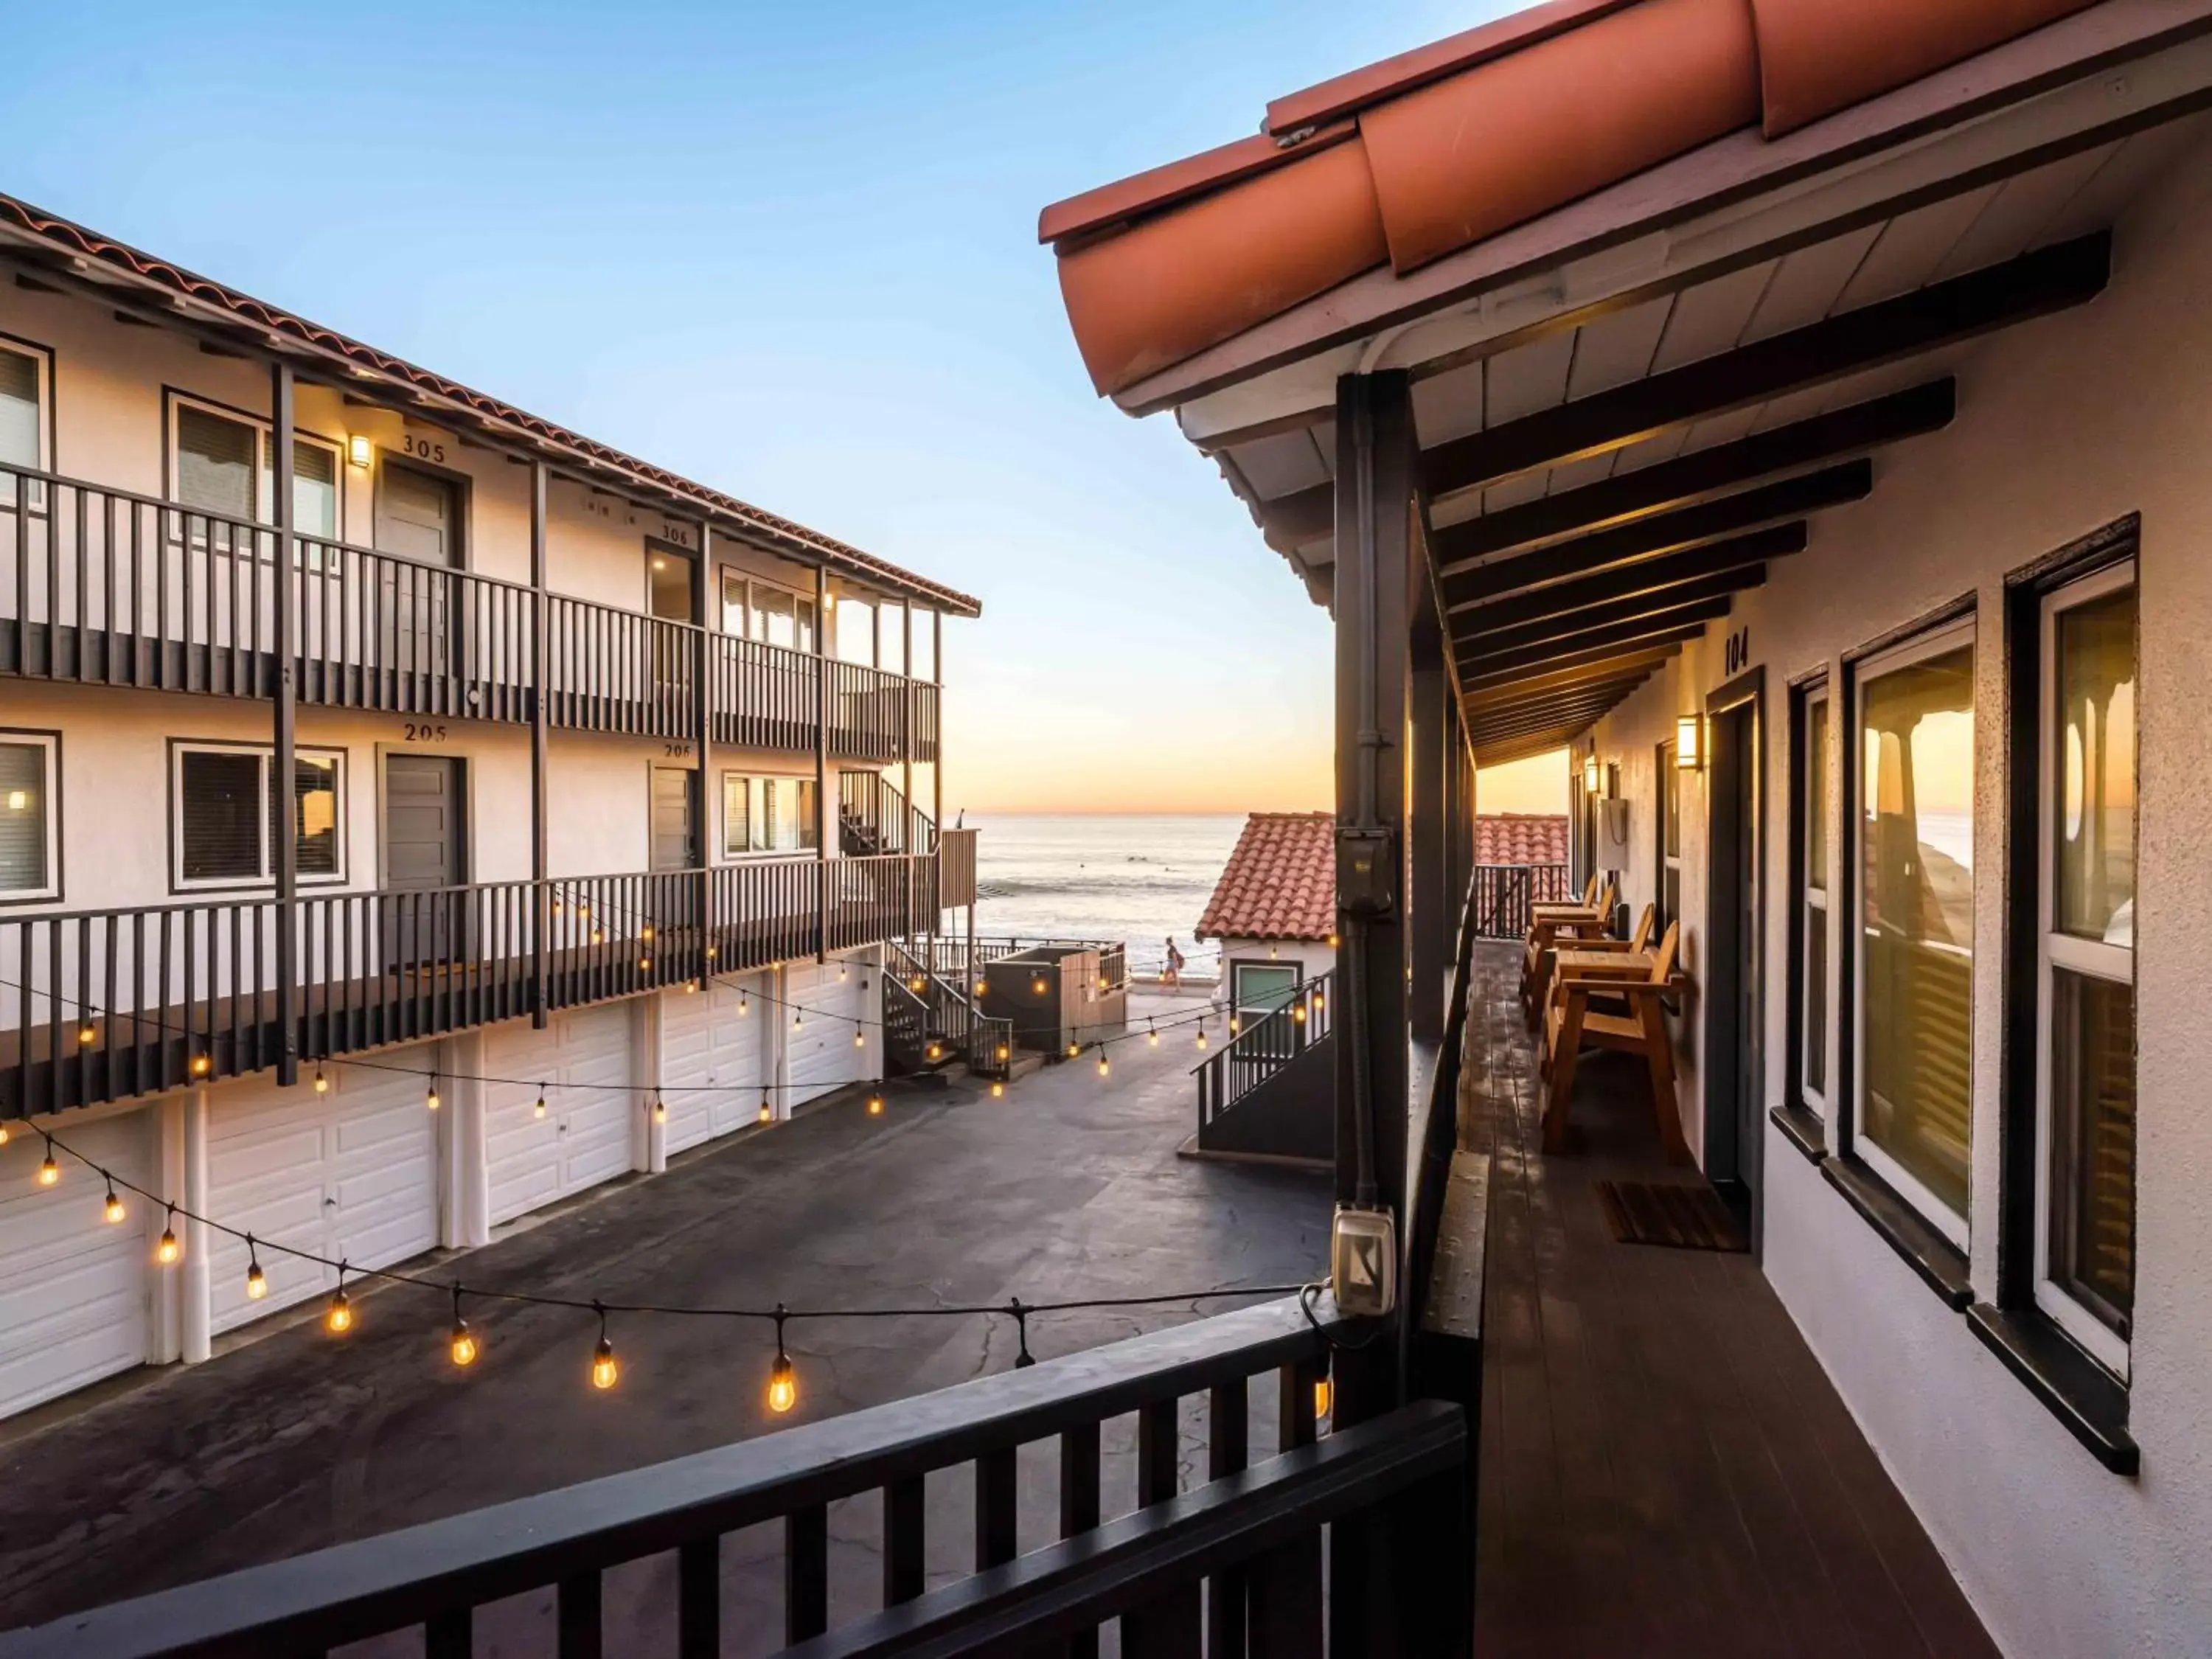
(104, 1005)
(101, 586)
(1505, 892)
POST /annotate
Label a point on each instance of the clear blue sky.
(787, 250)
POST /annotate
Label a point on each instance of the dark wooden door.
(1731, 1051)
(675, 818)
(424, 855)
(419, 520)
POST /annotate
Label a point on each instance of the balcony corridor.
(1665, 1469)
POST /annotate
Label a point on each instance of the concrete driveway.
(1068, 1187)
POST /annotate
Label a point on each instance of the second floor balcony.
(101, 586)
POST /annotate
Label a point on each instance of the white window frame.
(52, 743)
(2088, 958)
(750, 582)
(1939, 641)
(753, 822)
(264, 465)
(1810, 899)
(177, 880)
(42, 368)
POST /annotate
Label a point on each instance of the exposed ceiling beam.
(1688, 478)
(1612, 681)
(1547, 720)
(2034, 285)
(1468, 585)
(1510, 686)
(1504, 754)
(1623, 582)
(1568, 631)
(1558, 654)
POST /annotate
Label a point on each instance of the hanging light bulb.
(860, 1039)
(934, 1050)
(1151, 1035)
(796, 1021)
(539, 1110)
(644, 962)
(981, 986)
(1103, 1068)
(462, 1344)
(782, 1380)
(1234, 1025)
(1004, 1050)
(49, 1172)
(605, 1372)
(998, 1090)
(1271, 953)
(1321, 1000)
(744, 1007)
(112, 1210)
(1201, 1034)
(257, 1283)
(1298, 1013)
(201, 1064)
(430, 1099)
(598, 937)
(322, 1083)
(690, 987)
(875, 1105)
(3, 1134)
(86, 1033)
(338, 1318)
(660, 1109)
(841, 973)
(646, 931)
(1074, 1049)
(767, 1111)
(168, 1250)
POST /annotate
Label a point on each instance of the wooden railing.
(1236, 1559)
(945, 1007)
(1263, 1048)
(1503, 893)
(102, 586)
(102, 1006)
(874, 816)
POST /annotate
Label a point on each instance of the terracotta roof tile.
(1281, 883)
(1521, 838)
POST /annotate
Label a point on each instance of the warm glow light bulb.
(744, 1005)
(201, 1064)
(168, 1250)
(339, 1319)
(605, 1372)
(659, 1111)
(539, 1110)
(430, 1099)
(85, 1033)
(1235, 1025)
(1152, 1037)
(114, 1208)
(49, 1172)
(982, 986)
(859, 1040)
(322, 1083)
(875, 1105)
(998, 1090)
(1202, 1036)
(463, 1344)
(767, 1112)
(256, 1284)
(782, 1385)
(935, 1051)
(1004, 1050)
(1037, 986)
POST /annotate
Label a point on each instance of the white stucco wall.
(2065, 425)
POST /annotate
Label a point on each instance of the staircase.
(873, 816)
(929, 1019)
(1270, 1091)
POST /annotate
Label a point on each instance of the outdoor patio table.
(1604, 964)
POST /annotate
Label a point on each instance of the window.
(1914, 935)
(1670, 839)
(855, 633)
(28, 823)
(226, 820)
(891, 636)
(757, 610)
(766, 815)
(22, 418)
(223, 465)
(2085, 1084)
(1812, 803)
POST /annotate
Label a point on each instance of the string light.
(201, 1064)
(767, 1111)
(1201, 1034)
(1024, 1359)
(3, 1134)
(168, 1250)
(1037, 987)
(1102, 1067)
(660, 1109)
(114, 1208)
(998, 1090)
(983, 987)
(539, 1110)
(840, 976)
(744, 1005)
(1004, 1050)
(1298, 1013)
(1074, 1049)
(859, 1040)
(875, 1105)
(1235, 1025)
(256, 1282)
(1151, 1035)
(935, 1050)
(796, 1021)
(49, 1172)
(605, 1372)
(430, 1099)
(463, 1344)
(322, 1083)
(338, 1318)
(782, 1379)
(85, 1033)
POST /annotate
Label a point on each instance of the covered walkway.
(1665, 1469)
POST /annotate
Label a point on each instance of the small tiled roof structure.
(1281, 883)
(1521, 838)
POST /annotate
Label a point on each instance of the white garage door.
(74, 1287)
(823, 1057)
(710, 1060)
(583, 1057)
(351, 1175)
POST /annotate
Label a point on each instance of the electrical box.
(1366, 873)
(1363, 1261)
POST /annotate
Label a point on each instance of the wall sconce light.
(357, 451)
(1590, 773)
(1690, 743)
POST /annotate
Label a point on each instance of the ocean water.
(1136, 878)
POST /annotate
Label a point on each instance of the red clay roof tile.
(1521, 838)
(1281, 883)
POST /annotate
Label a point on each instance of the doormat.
(1681, 1215)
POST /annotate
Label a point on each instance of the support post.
(1428, 903)
(1375, 577)
(195, 1316)
(822, 814)
(906, 719)
(937, 679)
(703, 805)
(282, 419)
(541, 920)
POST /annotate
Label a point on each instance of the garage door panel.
(583, 1057)
(821, 1052)
(75, 1288)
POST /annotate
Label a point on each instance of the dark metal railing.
(873, 816)
(1263, 1048)
(1503, 893)
(103, 586)
(101, 1006)
(946, 1005)
(1238, 1555)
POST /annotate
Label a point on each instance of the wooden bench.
(1592, 1008)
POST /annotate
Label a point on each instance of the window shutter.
(23, 857)
(19, 409)
(218, 816)
(216, 463)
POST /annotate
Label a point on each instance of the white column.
(648, 1139)
(779, 1049)
(468, 1205)
(195, 1312)
(166, 1338)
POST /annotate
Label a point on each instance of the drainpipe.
(281, 420)
(821, 764)
(541, 920)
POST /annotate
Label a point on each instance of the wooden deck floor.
(1665, 1467)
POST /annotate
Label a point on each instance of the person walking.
(1172, 974)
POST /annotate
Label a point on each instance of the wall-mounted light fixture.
(357, 451)
(1689, 742)
(1590, 773)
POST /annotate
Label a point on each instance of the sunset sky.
(789, 250)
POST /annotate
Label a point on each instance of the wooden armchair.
(1575, 1019)
(1552, 925)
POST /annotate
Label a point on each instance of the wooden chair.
(1565, 923)
(1573, 1021)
